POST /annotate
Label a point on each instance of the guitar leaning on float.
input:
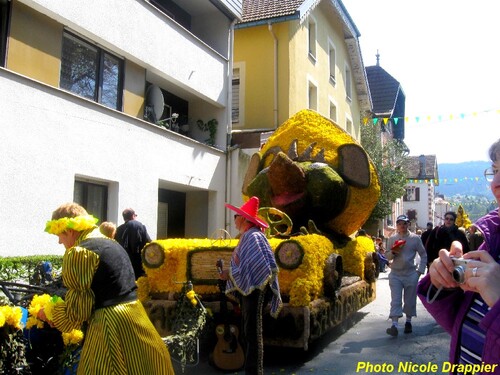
(228, 353)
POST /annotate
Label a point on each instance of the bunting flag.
(449, 181)
(428, 118)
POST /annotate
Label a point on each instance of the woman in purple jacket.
(470, 311)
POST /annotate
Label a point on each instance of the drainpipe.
(227, 194)
(275, 105)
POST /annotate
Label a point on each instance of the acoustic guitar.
(228, 354)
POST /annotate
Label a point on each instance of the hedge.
(22, 268)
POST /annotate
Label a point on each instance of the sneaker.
(408, 328)
(393, 331)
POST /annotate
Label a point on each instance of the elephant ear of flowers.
(312, 169)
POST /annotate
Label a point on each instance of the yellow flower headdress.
(78, 223)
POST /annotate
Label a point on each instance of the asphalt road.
(360, 346)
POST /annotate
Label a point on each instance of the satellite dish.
(154, 103)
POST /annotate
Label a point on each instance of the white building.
(442, 207)
(418, 201)
(79, 81)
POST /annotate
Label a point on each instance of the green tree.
(390, 159)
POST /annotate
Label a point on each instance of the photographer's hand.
(486, 281)
(442, 267)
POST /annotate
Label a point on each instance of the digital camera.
(458, 272)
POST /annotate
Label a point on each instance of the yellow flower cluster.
(78, 223)
(309, 127)
(45, 302)
(354, 254)
(174, 270)
(305, 283)
(48, 303)
(143, 289)
(11, 316)
(191, 295)
(75, 337)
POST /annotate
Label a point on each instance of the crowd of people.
(120, 338)
(108, 255)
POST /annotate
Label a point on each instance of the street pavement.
(360, 346)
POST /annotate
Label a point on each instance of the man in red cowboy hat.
(253, 273)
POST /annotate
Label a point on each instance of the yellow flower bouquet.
(12, 347)
(72, 341)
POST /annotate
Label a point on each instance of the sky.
(446, 56)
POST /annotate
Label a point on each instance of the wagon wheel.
(279, 222)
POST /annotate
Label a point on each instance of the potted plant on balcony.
(210, 127)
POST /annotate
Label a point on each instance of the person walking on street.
(475, 237)
(425, 235)
(133, 236)
(442, 236)
(379, 247)
(403, 279)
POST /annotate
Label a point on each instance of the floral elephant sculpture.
(314, 171)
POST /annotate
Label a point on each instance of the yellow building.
(291, 55)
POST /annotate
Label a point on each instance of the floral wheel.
(289, 254)
(279, 222)
(153, 255)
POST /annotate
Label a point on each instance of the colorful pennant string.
(448, 181)
(428, 118)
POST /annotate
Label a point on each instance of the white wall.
(50, 136)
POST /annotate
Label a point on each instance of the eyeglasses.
(490, 174)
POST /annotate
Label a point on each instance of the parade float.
(317, 187)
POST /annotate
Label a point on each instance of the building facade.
(289, 56)
(100, 105)
(419, 200)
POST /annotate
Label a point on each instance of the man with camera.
(403, 279)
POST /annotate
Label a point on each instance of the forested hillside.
(464, 184)
(463, 179)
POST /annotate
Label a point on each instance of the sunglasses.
(449, 218)
(236, 216)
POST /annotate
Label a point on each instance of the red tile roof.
(255, 10)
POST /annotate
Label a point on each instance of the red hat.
(249, 211)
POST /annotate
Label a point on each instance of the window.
(93, 197)
(412, 194)
(313, 96)
(4, 27)
(333, 112)
(235, 107)
(348, 127)
(238, 95)
(332, 62)
(312, 38)
(91, 72)
(348, 83)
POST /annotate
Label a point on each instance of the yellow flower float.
(316, 186)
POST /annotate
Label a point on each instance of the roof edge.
(267, 21)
